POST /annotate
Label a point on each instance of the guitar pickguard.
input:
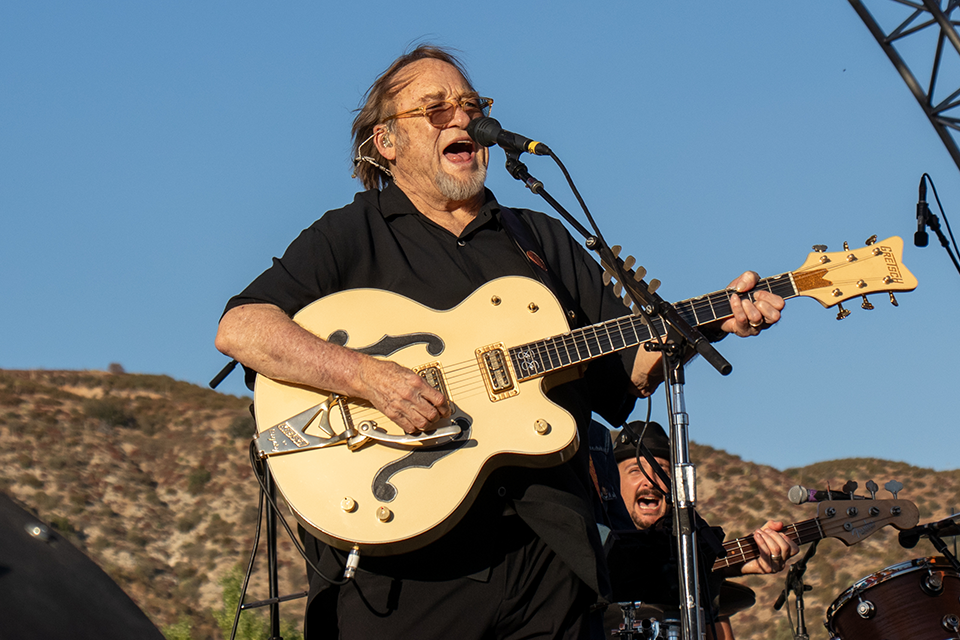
(384, 491)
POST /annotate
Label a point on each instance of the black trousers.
(495, 582)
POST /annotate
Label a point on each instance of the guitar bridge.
(496, 372)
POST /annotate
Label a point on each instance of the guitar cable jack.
(353, 560)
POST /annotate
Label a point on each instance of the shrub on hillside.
(109, 411)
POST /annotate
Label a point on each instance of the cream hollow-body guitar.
(356, 481)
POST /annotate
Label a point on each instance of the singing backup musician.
(525, 559)
(646, 500)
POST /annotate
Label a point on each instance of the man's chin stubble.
(461, 190)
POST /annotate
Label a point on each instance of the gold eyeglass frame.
(423, 110)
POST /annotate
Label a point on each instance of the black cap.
(655, 439)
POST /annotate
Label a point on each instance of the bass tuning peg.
(893, 487)
(842, 313)
(850, 488)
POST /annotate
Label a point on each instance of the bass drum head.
(914, 600)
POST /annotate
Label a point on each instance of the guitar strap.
(523, 237)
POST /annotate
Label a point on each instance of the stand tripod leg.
(272, 559)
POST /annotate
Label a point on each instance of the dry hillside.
(150, 477)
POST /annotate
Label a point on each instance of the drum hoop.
(886, 574)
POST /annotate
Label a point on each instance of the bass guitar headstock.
(855, 518)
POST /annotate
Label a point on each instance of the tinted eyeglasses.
(441, 112)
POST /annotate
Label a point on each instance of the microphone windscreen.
(798, 495)
(484, 131)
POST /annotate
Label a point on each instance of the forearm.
(264, 338)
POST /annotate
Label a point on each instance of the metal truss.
(924, 27)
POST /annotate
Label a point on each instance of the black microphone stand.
(794, 584)
(929, 219)
(268, 507)
(944, 549)
(680, 335)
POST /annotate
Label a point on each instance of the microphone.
(798, 495)
(947, 527)
(920, 237)
(486, 131)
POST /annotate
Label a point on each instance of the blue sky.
(155, 156)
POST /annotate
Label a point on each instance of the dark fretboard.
(743, 550)
(580, 345)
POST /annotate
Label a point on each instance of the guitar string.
(551, 354)
(752, 551)
(566, 349)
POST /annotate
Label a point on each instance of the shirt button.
(462, 243)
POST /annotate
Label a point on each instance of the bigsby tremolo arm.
(290, 435)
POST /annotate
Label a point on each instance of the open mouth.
(649, 502)
(459, 151)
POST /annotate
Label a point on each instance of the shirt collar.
(394, 202)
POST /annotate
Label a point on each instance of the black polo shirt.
(381, 241)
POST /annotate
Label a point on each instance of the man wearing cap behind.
(648, 504)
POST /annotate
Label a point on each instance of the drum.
(915, 600)
(639, 621)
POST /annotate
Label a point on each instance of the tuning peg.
(893, 487)
(893, 299)
(871, 485)
(866, 303)
(615, 249)
(607, 277)
(819, 248)
(617, 289)
(871, 240)
(850, 488)
(629, 262)
(640, 274)
(846, 247)
(653, 286)
(842, 313)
